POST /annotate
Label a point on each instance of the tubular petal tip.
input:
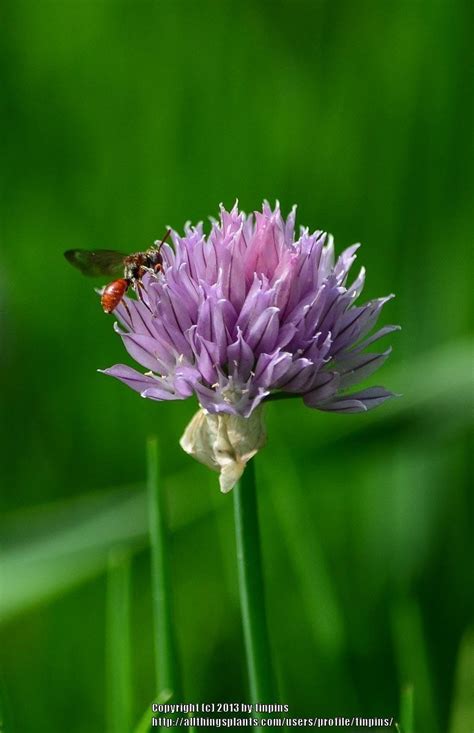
(247, 311)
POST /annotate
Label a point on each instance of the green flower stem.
(167, 667)
(406, 710)
(251, 588)
(119, 674)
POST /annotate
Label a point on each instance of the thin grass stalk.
(119, 670)
(407, 710)
(166, 660)
(252, 590)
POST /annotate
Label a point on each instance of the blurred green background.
(120, 118)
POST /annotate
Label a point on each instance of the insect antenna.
(161, 242)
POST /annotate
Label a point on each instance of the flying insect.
(110, 262)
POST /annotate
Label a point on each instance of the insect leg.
(127, 309)
(139, 288)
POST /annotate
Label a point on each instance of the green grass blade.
(119, 675)
(68, 542)
(407, 711)
(167, 667)
(462, 714)
(413, 660)
(144, 724)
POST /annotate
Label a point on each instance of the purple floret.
(248, 313)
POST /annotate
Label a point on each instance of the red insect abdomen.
(113, 294)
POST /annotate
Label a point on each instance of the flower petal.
(360, 366)
(324, 386)
(148, 352)
(137, 318)
(146, 385)
(357, 322)
(272, 367)
(359, 401)
(240, 357)
(375, 337)
(262, 333)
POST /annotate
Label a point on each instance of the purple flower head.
(250, 313)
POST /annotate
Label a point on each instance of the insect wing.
(98, 262)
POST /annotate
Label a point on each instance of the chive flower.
(247, 314)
